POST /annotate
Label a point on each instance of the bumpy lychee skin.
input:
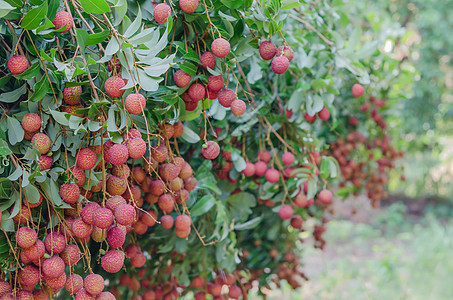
(135, 103)
(267, 50)
(70, 255)
(249, 169)
(167, 221)
(69, 192)
(178, 129)
(23, 216)
(138, 260)
(107, 296)
(272, 175)
(84, 295)
(215, 83)
(310, 119)
(357, 90)
(116, 237)
(157, 187)
(176, 184)
(115, 201)
(208, 60)
(324, 114)
(181, 78)
(197, 92)
(285, 212)
(260, 168)
(238, 107)
(122, 171)
(71, 94)
(31, 122)
(188, 6)
(17, 64)
(113, 86)
(125, 214)
(118, 154)
(296, 222)
(5, 287)
(280, 65)
(74, 283)
(98, 234)
(287, 158)
(166, 203)
(220, 47)
(168, 171)
(86, 159)
(264, 155)
(114, 63)
(55, 243)
(53, 267)
(161, 13)
(116, 185)
(29, 275)
(112, 261)
(149, 218)
(94, 284)
(103, 217)
(190, 183)
(226, 97)
(63, 18)
(136, 147)
(325, 196)
(26, 237)
(81, 229)
(211, 151)
(160, 153)
(88, 211)
(182, 222)
(72, 109)
(186, 171)
(45, 162)
(212, 95)
(56, 283)
(36, 251)
(287, 52)
(42, 142)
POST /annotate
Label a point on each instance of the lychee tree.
(173, 148)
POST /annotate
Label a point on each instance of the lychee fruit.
(53, 267)
(197, 92)
(116, 237)
(324, 114)
(112, 261)
(72, 109)
(188, 6)
(181, 78)
(45, 162)
(296, 222)
(267, 50)
(234, 292)
(31, 122)
(215, 83)
(210, 150)
(113, 86)
(103, 217)
(135, 103)
(285, 212)
(357, 90)
(157, 187)
(238, 107)
(310, 119)
(149, 218)
(86, 159)
(190, 106)
(125, 214)
(113, 202)
(5, 287)
(23, 216)
(226, 97)
(78, 174)
(26, 237)
(122, 171)
(136, 147)
(212, 95)
(74, 283)
(280, 64)
(161, 13)
(287, 158)
(167, 130)
(55, 243)
(272, 175)
(166, 203)
(138, 174)
(260, 168)
(182, 234)
(167, 221)
(288, 113)
(249, 169)
(84, 295)
(94, 284)
(138, 260)
(17, 64)
(286, 51)
(114, 62)
(220, 47)
(176, 184)
(160, 153)
(168, 171)
(107, 296)
(190, 183)
(61, 19)
(71, 94)
(70, 255)
(186, 171)
(98, 234)
(56, 283)
(87, 212)
(208, 60)
(42, 142)
(118, 154)
(36, 251)
(81, 229)
(69, 192)
(325, 196)
(264, 155)
(29, 275)
(182, 222)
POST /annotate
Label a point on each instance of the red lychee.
(324, 114)
(178, 129)
(135, 103)
(116, 185)
(325, 196)
(94, 284)
(78, 174)
(212, 95)
(167, 130)
(272, 175)
(70, 255)
(114, 63)
(267, 50)
(36, 251)
(249, 169)
(113, 86)
(125, 214)
(197, 92)
(238, 107)
(181, 78)
(166, 203)
(31, 122)
(122, 171)
(296, 222)
(84, 295)
(190, 183)
(29, 275)
(161, 13)
(286, 51)
(116, 237)
(191, 105)
(17, 64)
(168, 171)
(26, 237)
(138, 260)
(260, 168)
(112, 261)
(118, 154)
(87, 212)
(113, 202)
(285, 212)
(176, 184)
(86, 159)
(42, 142)
(167, 221)
(103, 217)
(56, 283)
(182, 234)
(310, 119)
(149, 218)
(210, 150)
(138, 174)
(107, 296)
(81, 229)
(53, 267)
(234, 292)
(136, 147)
(55, 243)
(287, 158)
(186, 171)
(357, 90)
(182, 222)
(264, 155)
(160, 153)
(98, 234)
(280, 64)
(188, 6)
(226, 97)
(45, 162)
(23, 216)
(208, 60)
(74, 283)
(215, 83)
(69, 192)
(63, 18)
(157, 187)
(72, 109)
(220, 47)
(71, 94)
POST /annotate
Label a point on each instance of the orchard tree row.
(152, 150)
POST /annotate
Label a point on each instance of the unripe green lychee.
(61, 19)
(17, 64)
(226, 97)
(181, 78)
(208, 60)
(267, 50)
(220, 47)
(135, 103)
(31, 122)
(86, 159)
(113, 86)
(42, 142)
(238, 107)
(161, 13)
(280, 64)
(71, 94)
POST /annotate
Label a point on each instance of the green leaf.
(13, 96)
(202, 206)
(98, 37)
(4, 148)
(82, 39)
(40, 90)
(60, 117)
(234, 4)
(95, 6)
(5, 8)
(4, 80)
(290, 4)
(34, 16)
(15, 131)
(190, 136)
(7, 222)
(32, 194)
(189, 68)
(135, 25)
(30, 72)
(16, 174)
(249, 224)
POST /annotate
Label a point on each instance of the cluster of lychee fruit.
(281, 56)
